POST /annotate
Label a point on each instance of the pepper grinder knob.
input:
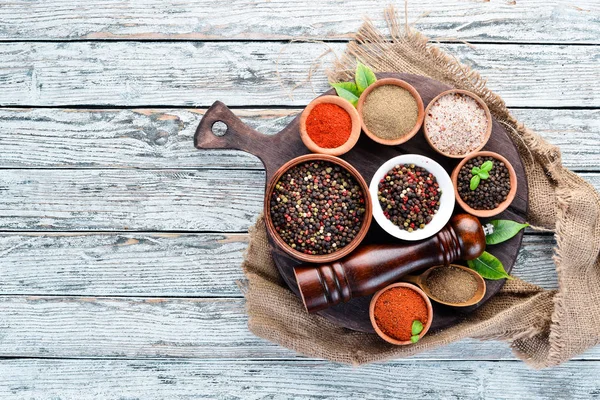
(372, 267)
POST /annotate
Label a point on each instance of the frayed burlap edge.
(545, 328)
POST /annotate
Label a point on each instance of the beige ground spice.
(390, 112)
(451, 284)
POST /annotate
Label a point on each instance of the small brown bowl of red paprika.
(330, 125)
(396, 311)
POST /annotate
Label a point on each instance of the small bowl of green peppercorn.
(485, 183)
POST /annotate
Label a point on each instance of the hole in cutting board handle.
(219, 128)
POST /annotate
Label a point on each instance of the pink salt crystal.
(457, 124)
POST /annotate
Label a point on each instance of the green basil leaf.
(346, 94)
(414, 338)
(475, 182)
(487, 166)
(417, 327)
(475, 170)
(483, 175)
(349, 86)
(504, 229)
(364, 77)
(489, 267)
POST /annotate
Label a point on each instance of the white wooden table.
(120, 244)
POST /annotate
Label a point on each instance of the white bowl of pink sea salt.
(457, 123)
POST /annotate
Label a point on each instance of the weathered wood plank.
(67, 138)
(575, 132)
(186, 265)
(194, 265)
(168, 264)
(84, 200)
(531, 21)
(197, 73)
(83, 327)
(150, 379)
(136, 200)
(144, 138)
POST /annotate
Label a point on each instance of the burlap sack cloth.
(544, 327)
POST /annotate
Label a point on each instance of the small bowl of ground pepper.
(393, 312)
(457, 123)
(412, 197)
(391, 111)
(317, 208)
(330, 125)
(496, 184)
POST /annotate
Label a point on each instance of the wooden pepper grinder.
(372, 267)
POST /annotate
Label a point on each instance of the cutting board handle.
(272, 150)
(234, 134)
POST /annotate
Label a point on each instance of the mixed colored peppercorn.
(317, 207)
(409, 196)
(491, 191)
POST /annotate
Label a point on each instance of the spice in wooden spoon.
(451, 284)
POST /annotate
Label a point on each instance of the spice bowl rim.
(388, 338)
(502, 206)
(478, 99)
(447, 202)
(355, 128)
(309, 258)
(420, 110)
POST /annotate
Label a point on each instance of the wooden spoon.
(421, 281)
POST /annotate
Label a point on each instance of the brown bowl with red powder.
(394, 310)
(330, 125)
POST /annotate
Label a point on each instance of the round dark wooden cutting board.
(366, 157)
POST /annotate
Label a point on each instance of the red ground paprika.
(396, 309)
(328, 125)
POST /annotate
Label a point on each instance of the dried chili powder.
(328, 125)
(396, 309)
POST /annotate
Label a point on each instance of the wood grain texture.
(83, 200)
(56, 288)
(102, 327)
(146, 138)
(198, 73)
(86, 265)
(136, 200)
(136, 264)
(184, 379)
(154, 264)
(531, 21)
(138, 138)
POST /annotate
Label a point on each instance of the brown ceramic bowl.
(502, 206)
(488, 132)
(317, 259)
(391, 339)
(403, 85)
(354, 134)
